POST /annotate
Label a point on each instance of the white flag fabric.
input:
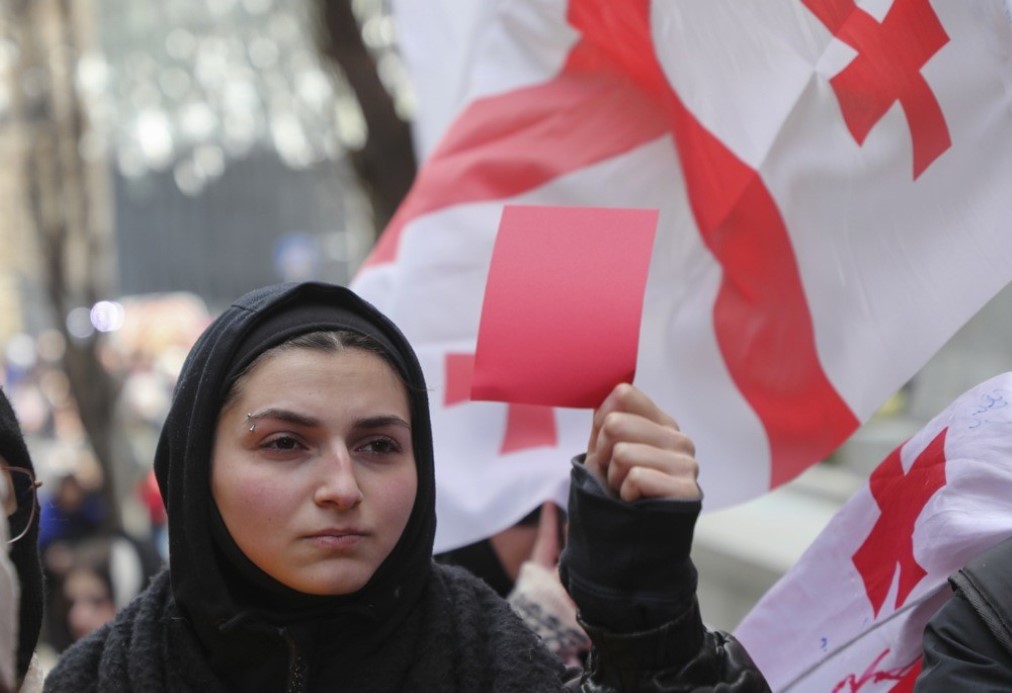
(832, 181)
(851, 613)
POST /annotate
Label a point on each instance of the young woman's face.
(313, 468)
(89, 604)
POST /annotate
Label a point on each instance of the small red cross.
(887, 69)
(527, 425)
(901, 498)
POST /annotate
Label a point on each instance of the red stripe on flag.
(459, 371)
(506, 145)
(527, 425)
(761, 317)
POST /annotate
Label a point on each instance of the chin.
(330, 585)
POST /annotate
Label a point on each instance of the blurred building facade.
(259, 223)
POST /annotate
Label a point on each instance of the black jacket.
(627, 568)
(968, 643)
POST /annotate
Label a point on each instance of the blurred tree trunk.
(75, 268)
(385, 165)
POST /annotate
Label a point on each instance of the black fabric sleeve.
(961, 653)
(968, 643)
(627, 565)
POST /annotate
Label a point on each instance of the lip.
(338, 537)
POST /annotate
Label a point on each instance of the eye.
(282, 443)
(381, 446)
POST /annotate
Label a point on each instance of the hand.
(548, 544)
(637, 451)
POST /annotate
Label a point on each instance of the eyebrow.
(303, 420)
(382, 422)
(284, 415)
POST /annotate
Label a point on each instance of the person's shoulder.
(984, 584)
(455, 578)
(997, 560)
(79, 668)
(459, 591)
(986, 578)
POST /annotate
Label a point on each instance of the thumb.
(546, 545)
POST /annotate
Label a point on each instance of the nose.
(337, 486)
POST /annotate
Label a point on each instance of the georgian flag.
(832, 180)
(850, 615)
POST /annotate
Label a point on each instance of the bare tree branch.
(386, 163)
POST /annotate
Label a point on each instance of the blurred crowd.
(100, 539)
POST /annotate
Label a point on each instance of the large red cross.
(527, 425)
(887, 69)
(901, 498)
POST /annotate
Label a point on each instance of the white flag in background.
(832, 180)
(850, 615)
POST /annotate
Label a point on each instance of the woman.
(90, 580)
(296, 463)
(23, 547)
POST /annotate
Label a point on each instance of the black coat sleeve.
(961, 654)
(968, 643)
(627, 567)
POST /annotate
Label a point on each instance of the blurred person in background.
(521, 563)
(75, 509)
(498, 559)
(90, 569)
(20, 545)
(91, 580)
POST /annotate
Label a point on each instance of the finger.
(611, 403)
(633, 428)
(624, 398)
(630, 456)
(645, 482)
(630, 399)
(546, 544)
(622, 427)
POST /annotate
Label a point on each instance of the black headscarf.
(212, 581)
(25, 552)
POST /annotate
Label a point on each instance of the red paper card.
(561, 318)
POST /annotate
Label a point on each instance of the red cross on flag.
(832, 186)
(851, 613)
